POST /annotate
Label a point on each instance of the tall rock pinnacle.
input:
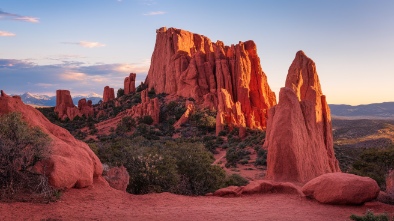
(299, 132)
(190, 65)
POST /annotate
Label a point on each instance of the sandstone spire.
(299, 132)
(190, 65)
(129, 83)
(108, 94)
(65, 107)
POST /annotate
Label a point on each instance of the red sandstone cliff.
(299, 132)
(190, 65)
(71, 163)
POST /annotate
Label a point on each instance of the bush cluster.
(375, 163)
(177, 167)
(21, 147)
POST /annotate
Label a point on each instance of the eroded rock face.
(341, 188)
(147, 107)
(299, 132)
(71, 163)
(65, 107)
(118, 178)
(108, 94)
(129, 83)
(190, 65)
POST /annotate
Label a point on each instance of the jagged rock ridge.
(190, 65)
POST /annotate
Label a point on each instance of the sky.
(84, 45)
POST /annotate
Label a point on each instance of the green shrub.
(145, 120)
(370, 216)
(375, 163)
(125, 125)
(234, 155)
(236, 180)
(21, 147)
(261, 159)
(120, 93)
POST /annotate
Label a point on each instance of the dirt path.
(101, 202)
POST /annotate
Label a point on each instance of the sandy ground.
(100, 202)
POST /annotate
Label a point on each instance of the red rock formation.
(65, 107)
(108, 94)
(148, 107)
(71, 163)
(185, 116)
(118, 178)
(299, 132)
(190, 65)
(129, 83)
(341, 188)
(259, 187)
(85, 108)
(228, 113)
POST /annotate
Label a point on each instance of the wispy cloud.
(155, 13)
(6, 34)
(86, 44)
(16, 17)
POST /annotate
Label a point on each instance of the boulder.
(118, 178)
(129, 83)
(108, 94)
(341, 188)
(299, 131)
(71, 162)
(190, 65)
(65, 107)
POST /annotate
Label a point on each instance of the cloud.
(6, 34)
(45, 85)
(21, 76)
(86, 44)
(16, 17)
(73, 76)
(155, 13)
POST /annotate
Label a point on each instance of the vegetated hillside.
(140, 146)
(369, 111)
(365, 147)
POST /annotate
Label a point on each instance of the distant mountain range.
(368, 111)
(45, 100)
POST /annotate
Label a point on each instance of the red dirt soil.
(100, 202)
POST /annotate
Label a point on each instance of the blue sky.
(84, 45)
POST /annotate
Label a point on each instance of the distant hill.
(368, 111)
(50, 101)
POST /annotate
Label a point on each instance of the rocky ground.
(100, 202)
